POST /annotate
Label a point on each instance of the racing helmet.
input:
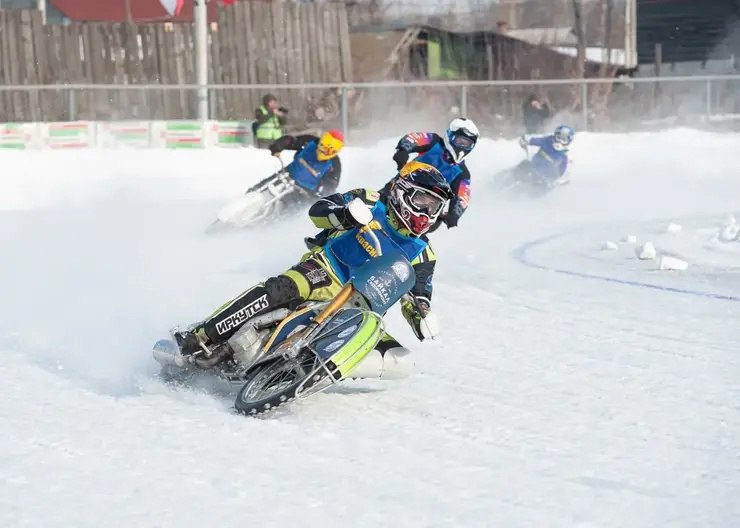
(563, 137)
(329, 144)
(417, 197)
(460, 138)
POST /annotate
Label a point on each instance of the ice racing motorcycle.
(270, 198)
(284, 355)
(525, 181)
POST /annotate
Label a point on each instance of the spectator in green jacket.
(270, 119)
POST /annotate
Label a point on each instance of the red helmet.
(418, 196)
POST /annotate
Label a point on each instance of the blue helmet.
(563, 137)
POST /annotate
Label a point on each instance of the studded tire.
(276, 383)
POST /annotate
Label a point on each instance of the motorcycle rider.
(415, 200)
(316, 167)
(447, 154)
(550, 163)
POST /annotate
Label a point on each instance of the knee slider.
(282, 291)
(398, 363)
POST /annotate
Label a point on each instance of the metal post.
(41, 5)
(71, 105)
(212, 103)
(584, 105)
(345, 113)
(201, 57)
(709, 100)
(658, 95)
(463, 101)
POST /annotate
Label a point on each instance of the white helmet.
(461, 137)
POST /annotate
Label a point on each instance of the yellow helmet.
(329, 145)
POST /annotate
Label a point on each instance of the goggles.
(463, 142)
(426, 202)
(562, 138)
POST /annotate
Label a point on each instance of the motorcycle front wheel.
(276, 382)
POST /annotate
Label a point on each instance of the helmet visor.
(463, 142)
(562, 137)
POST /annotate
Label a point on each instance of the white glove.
(429, 326)
(418, 314)
(358, 213)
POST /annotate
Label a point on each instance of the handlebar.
(374, 238)
(282, 163)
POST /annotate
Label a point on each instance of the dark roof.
(688, 30)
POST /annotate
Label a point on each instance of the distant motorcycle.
(526, 181)
(270, 198)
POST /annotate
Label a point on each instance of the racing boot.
(387, 361)
(191, 341)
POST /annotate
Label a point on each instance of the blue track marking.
(521, 254)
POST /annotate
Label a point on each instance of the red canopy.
(129, 10)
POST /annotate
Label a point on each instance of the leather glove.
(401, 157)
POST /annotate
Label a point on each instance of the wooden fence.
(253, 43)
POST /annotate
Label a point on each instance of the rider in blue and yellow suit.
(416, 198)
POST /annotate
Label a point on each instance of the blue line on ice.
(521, 255)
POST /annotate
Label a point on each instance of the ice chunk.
(729, 233)
(673, 228)
(672, 264)
(646, 251)
(608, 245)
(630, 239)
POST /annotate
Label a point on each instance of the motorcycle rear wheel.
(277, 382)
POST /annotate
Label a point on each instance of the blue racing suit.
(317, 177)
(548, 163)
(431, 150)
(323, 271)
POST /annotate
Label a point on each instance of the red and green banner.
(135, 134)
(78, 134)
(127, 134)
(15, 135)
(183, 135)
(232, 133)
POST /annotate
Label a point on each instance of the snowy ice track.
(548, 401)
(521, 254)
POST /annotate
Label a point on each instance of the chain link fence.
(377, 109)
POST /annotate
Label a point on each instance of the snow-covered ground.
(572, 386)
